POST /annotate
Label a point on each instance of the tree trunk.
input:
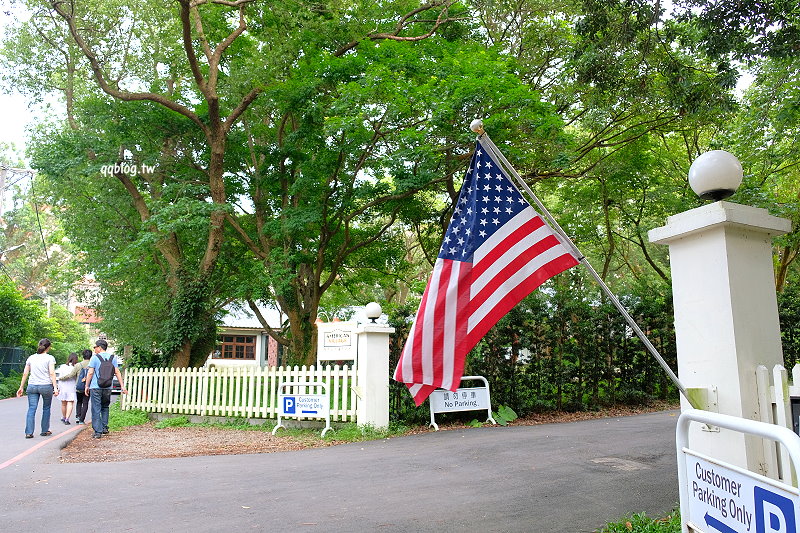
(182, 356)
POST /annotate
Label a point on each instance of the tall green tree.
(352, 163)
(170, 86)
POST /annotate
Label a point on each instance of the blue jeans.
(101, 399)
(34, 392)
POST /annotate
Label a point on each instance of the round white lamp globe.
(715, 175)
(373, 311)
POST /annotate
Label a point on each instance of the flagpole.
(486, 142)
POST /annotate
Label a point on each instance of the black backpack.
(105, 373)
(81, 385)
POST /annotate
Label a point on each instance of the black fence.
(11, 360)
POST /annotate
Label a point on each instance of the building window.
(236, 347)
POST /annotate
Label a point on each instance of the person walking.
(81, 399)
(41, 367)
(68, 378)
(100, 393)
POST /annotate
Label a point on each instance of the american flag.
(496, 251)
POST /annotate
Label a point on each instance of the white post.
(372, 407)
(726, 316)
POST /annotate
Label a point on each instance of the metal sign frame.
(326, 402)
(464, 378)
(780, 434)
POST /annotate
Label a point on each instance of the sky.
(14, 113)
(15, 116)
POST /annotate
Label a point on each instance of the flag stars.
(499, 188)
(483, 222)
(497, 199)
(495, 221)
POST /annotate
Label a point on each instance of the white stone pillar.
(726, 315)
(372, 365)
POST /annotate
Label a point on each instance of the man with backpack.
(102, 368)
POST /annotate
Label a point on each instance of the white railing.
(250, 392)
(774, 400)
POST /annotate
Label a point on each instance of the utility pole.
(3, 172)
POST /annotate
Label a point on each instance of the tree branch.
(97, 70)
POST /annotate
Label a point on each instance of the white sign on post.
(336, 341)
(717, 497)
(462, 399)
(303, 405)
(728, 499)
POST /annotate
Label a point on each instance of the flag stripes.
(496, 251)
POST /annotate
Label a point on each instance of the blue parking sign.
(289, 405)
(774, 513)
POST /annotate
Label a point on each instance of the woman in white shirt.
(68, 379)
(41, 367)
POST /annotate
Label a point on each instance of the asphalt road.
(572, 477)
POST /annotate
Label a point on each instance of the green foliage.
(789, 310)
(640, 523)
(746, 29)
(24, 321)
(119, 419)
(18, 317)
(504, 415)
(172, 422)
(9, 384)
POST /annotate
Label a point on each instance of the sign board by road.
(296, 405)
(336, 341)
(725, 498)
(461, 399)
(718, 497)
(303, 405)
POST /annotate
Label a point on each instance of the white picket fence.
(774, 399)
(250, 392)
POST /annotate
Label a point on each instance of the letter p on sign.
(774, 513)
(288, 405)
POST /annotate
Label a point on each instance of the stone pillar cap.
(716, 214)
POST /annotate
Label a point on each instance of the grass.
(119, 419)
(639, 523)
(349, 432)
